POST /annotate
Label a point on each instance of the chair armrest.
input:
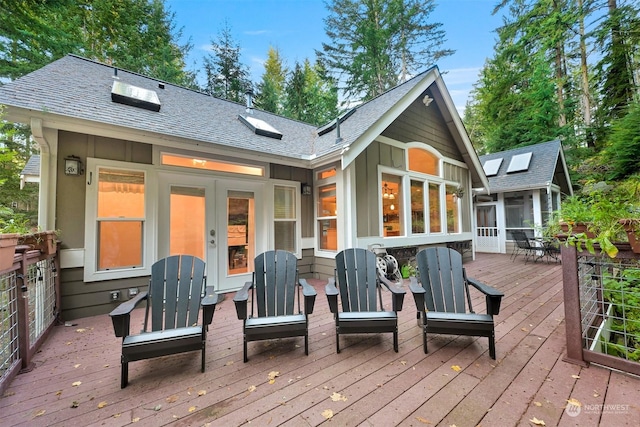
(332, 295)
(121, 315)
(492, 295)
(398, 293)
(418, 293)
(240, 300)
(309, 294)
(209, 305)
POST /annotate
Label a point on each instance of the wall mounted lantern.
(306, 189)
(73, 166)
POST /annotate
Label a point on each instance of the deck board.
(380, 387)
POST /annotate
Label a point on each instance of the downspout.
(48, 161)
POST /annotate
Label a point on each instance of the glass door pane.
(240, 232)
(187, 229)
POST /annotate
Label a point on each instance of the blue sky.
(296, 28)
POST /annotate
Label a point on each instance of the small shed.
(525, 186)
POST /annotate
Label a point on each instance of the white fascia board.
(457, 121)
(158, 139)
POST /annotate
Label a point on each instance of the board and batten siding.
(424, 124)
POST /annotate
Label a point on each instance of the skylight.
(519, 162)
(491, 166)
(260, 127)
(124, 93)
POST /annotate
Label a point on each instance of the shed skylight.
(519, 162)
(491, 166)
(124, 93)
(260, 127)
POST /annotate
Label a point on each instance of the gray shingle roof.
(544, 159)
(79, 88)
(32, 167)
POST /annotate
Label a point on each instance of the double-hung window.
(285, 218)
(119, 241)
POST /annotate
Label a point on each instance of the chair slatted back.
(176, 289)
(442, 276)
(357, 280)
(521, 239)
(275, 278)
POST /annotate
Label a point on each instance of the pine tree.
(227, 77)
(376, 44)
(271, 89)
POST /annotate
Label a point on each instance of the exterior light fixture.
(306, 189)
(73, 166)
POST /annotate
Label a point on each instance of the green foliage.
(12, 222)
(623, 152)
(227, 77)
(600, 206)
(270, 94)
(377, 44)
(137, 35)
(311, 96)
(623, 292)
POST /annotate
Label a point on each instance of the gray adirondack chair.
(275, 300)
(359, 285)
(443, 300)
(176, 295)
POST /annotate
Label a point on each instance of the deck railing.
(602, 308)
(29, 307)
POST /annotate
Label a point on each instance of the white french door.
(218, 220)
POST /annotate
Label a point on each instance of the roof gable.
(533, 166)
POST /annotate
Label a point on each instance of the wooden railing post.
(572, 316)
(23, 311)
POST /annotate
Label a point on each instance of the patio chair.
(360, 287)
(275, 313)
(523, 245)
(441, 293)
(177, 292)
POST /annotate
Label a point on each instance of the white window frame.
(149, 238)
(317, 218)
(298, 213)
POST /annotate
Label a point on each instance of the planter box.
(44, 241)
(630, 226)
(8, 243)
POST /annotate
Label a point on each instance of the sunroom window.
(453, 210)
(392, 205)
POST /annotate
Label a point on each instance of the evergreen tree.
(271, 89)
(311, 96)
(617, 71)
(137, 35)
(227, 77)
(375, 44)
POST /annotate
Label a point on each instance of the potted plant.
(602, 206)
(11, 226)
(574, 216)
(44, 241)
(632, 228)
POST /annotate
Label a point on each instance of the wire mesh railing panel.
(9, 344)
(610, 305)
(41, 297)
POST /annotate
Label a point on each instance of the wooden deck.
(76, 380)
